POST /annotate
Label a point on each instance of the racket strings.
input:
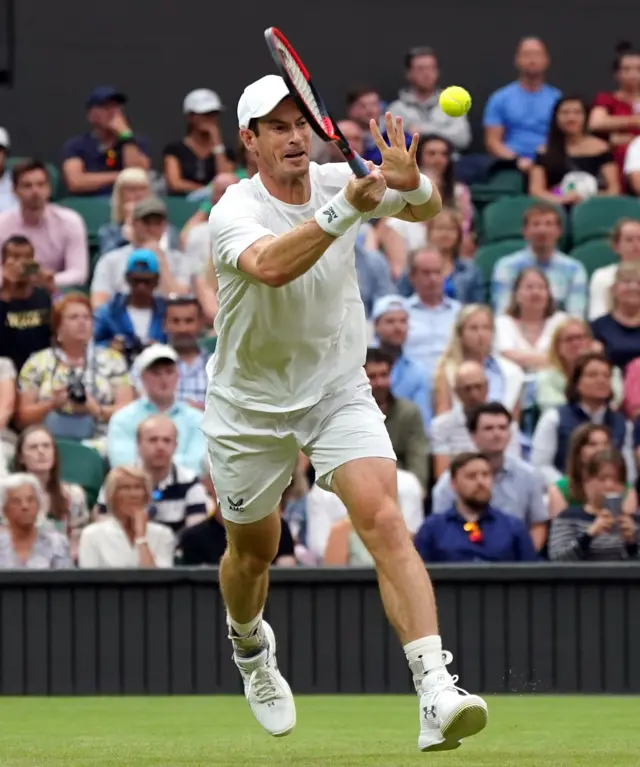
(304, 89)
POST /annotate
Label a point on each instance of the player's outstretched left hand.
(399, 166)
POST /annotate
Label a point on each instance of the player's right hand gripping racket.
(298, 80)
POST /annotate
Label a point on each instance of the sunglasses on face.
(142, 280)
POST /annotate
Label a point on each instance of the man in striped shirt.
(179, 498)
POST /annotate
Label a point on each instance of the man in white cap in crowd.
(287, 375)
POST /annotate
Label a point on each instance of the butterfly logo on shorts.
(236, 505)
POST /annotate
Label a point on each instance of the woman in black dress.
(570, 149)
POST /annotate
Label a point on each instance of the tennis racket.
(298, 80)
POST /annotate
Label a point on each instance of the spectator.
(159, 374)
(91, 162)
(432, 313)
(191, 163)
(58, 234)
(625, 241)
(619, 331)
(524, 331)
(8, 198)
(178, 498)
(219, 186)
(615, 116)
(463, 280)
(589, 531)
(64, 504)
(585, 442)
(472, 338)
(419, 104)
(332, 539)
(516, 117)
(23, 543)
(631, 404)
(184, 324)
(567, 277)
(588, 400)
(25, 302)
(148, 228)
(569, 341)
(130, 321)
(472, 530)
(126, 538)
(409, 379)
(363, 105)
(449, 432)
(132, 185)
(71, 387)
(572, 156)
(517, 488)
(402, 418)
(7, 409)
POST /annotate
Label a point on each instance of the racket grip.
(357, 165)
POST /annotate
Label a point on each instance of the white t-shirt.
(600, 290)
(105, 544)
(414, 233)
(140, 320)
(509, 336)
(284, 349)
(632, 157)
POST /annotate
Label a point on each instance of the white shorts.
(252, 455)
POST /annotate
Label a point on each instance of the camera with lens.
(132, 346)
(76, 390)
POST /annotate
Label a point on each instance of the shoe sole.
(468, 720)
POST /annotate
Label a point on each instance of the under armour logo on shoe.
(330, 214)
(429, 712)
(236, 505)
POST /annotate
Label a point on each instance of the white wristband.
(421, 194)
(140, 541)
(338, 215)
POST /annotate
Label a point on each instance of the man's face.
(365, 108)
(100, 117)
(149, 229)
(492, 434)
(142, 285)
(379, 375)
(17, 263)
(33, 190)
(392, 327)
(473, 484)
(205, 123)
(542, 230)
(532, 59)
(283, 143)
(353, 133)
(183, 325)
(423, 73)
(628, 245)
(157, 444)
(472, 388)
(427, 275)
(161, 380)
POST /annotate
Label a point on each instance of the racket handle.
(357, 165)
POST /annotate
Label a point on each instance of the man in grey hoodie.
(418, 104)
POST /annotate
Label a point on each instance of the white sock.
(424, 655)
(243, 629)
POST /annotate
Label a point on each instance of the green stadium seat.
(504, 183)
(82, 465)
(180, 210)
(594, 254)
(595, 218)
(54, 175)
(94, 210)
(209, 343)
(503, 219)
(486, 256)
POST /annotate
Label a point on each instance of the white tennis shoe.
(447, 712)
(270, 697)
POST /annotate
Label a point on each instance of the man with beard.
(409, 379)
(184, 325)
(402, 418)
(473, 530)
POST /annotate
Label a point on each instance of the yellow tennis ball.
(455, 101)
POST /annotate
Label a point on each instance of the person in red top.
(616, 115)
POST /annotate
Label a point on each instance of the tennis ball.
(455, 101)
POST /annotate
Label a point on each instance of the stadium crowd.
(504, 334)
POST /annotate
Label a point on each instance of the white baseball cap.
(260, 98)
(155, 353)
(4, 138)
(201, 101)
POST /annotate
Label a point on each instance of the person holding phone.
(598, 530)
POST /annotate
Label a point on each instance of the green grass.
(344, 731)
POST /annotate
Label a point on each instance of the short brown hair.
(542, 209)
(27, 166)
(463, 459)
(620, 224)
(578, 371)
(609, 457)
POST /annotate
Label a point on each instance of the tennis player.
(288, 375)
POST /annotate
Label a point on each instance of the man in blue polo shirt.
(409, 379)
(472, 530)
(91, 162)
